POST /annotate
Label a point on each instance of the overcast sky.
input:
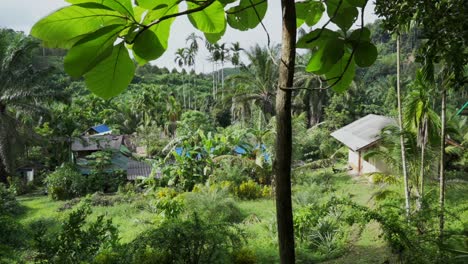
(22, 14)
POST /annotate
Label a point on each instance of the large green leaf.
(154, 4)
(90, 50)
(122, 6)
(341, 84)
(345, 16)
(215, 37)
(315, 39)
(356, 3)
(309, 12)
(360, 35)
(73, 21)
(226, 2)
(365, 54)
(325, 57)
(112, 75)
(246, 15)
(209, 20)
(153, 42)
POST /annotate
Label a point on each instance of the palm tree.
(192, 49)
(235, 49)
(421, 118)
(256, 82)
(23, 92)
(311, 98)
(402, 138)
(181, 60)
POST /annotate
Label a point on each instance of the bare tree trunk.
(284, 214)
(442, 169)
(402, 138)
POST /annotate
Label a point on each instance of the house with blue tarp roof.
(98, 130)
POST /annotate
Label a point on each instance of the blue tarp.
(101, 128)
(238, 150)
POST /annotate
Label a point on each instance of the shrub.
(74, 243)
(192, 121)
(228, 170)
(249, 190)
(189, 241)
(19, 186)
(213, 205)
(244, 256)
(10, 233)
(8, 203)
(322, 229)
(65, 183)
(103, 181)
(170, 207)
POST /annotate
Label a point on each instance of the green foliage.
(191, 121)
(250, 190)
(11, 236)
(244, 17)
(189, 241)
(65, 182)
(213, 204)
(145, 30)
(168, 203)
(8, 203)
(19, 185)
(77, 241)
(322, 230)
(244, 256)
(309, 12)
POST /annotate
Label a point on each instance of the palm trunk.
(402, 138)
(222, 81)
(213, 75)
(421, 174)
(442, 170)
(284, 214)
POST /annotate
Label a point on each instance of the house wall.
(353, 160)
(356, 159)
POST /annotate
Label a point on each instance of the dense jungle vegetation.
(210, 202)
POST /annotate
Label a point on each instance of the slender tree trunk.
(284, 135)
(222, 81)
(402, 138)
(213, 74)
(421, 174)
(442, 169)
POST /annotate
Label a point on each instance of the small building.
(360, 136)
(122, 158)
(97, 130)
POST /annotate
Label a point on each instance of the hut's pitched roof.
(95, 143)
(136, 169)
(362, 132)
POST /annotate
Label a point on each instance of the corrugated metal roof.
(362, 132)
(136, 169)
(95, 143)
